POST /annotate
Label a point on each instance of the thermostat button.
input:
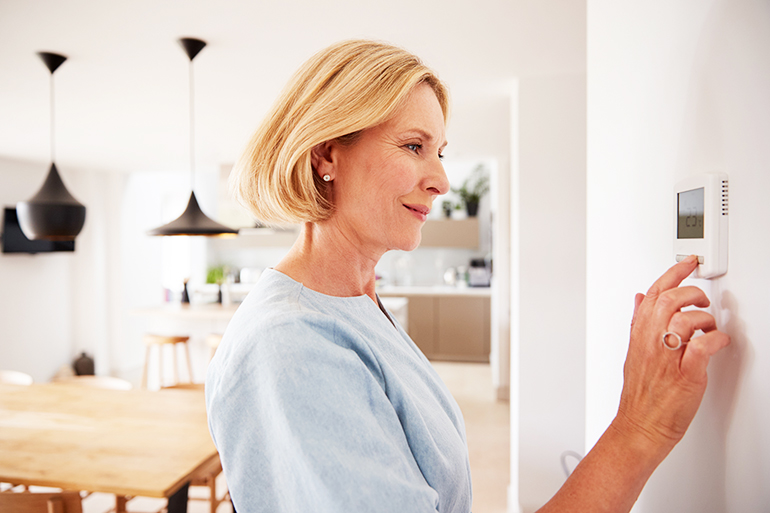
(679, 258)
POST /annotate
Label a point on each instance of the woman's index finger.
(673, 276)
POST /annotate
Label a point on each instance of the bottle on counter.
(462, 276)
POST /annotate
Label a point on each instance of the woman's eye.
(440, 156)
(413, 147)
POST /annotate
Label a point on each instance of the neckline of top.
(320, 295)
(363, 299)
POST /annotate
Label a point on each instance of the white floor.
(487, 429)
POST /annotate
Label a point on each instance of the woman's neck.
(326, 261)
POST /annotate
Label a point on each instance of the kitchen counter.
(437, 290)
(218, 312)
(206, 311)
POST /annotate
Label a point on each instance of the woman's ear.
(322, 160)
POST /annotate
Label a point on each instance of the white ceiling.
(122, 96)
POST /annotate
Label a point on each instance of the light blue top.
(322, 404)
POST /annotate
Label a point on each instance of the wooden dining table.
(123, 442)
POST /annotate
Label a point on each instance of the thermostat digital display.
(690, 214)
(701, 204)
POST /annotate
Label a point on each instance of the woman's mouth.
(419, 211)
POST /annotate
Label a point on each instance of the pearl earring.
(327, 178)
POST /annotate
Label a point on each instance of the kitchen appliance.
(479, 273)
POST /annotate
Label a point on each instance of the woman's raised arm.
(662, 390)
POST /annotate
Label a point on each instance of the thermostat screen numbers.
(690, 215)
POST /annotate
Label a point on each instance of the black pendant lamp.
(193, 221)
(52, 213)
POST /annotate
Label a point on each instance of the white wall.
(551, 281)
(35, 291)
(547, 281)
(677, 88)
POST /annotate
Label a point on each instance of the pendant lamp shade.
(193, 221)
(53, 213)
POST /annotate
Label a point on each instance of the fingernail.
(692, 258)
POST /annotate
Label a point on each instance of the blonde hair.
(342, 90)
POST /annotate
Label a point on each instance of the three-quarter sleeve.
(303, 422)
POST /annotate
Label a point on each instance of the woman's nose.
(437, 181)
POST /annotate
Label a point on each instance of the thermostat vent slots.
(725, 197)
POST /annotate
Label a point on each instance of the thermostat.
(701, 204)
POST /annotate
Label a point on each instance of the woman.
(317, 399)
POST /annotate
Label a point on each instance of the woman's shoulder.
(281, 323)
(282, 343)
(277, 318)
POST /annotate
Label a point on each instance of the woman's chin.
(410, 244)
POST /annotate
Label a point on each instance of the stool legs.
(161, 368)
(160, 341)
(146, 364)
(176, 366)
(189, 364)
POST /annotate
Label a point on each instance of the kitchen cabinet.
(449, 326)
(462, 329)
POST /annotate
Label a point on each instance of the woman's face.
(385, 182)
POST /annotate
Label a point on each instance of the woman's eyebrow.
(422, 133)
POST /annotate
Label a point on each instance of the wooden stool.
(213, 340)
(159, 341)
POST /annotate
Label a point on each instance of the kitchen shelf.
(451, 233)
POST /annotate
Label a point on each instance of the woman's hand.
(662, 387)
(661, 393)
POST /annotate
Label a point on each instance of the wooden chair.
(98, 382)
(207, 475)
(10, 377)
(26, 502)
(160, 341)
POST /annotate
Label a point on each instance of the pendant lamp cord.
(53, 132)
(192, 130)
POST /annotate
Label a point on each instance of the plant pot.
(472, 208)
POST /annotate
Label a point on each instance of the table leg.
(177, 503)
(120, 504)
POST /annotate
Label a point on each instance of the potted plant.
(447, 207)
(217, 275)
(473, 189)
